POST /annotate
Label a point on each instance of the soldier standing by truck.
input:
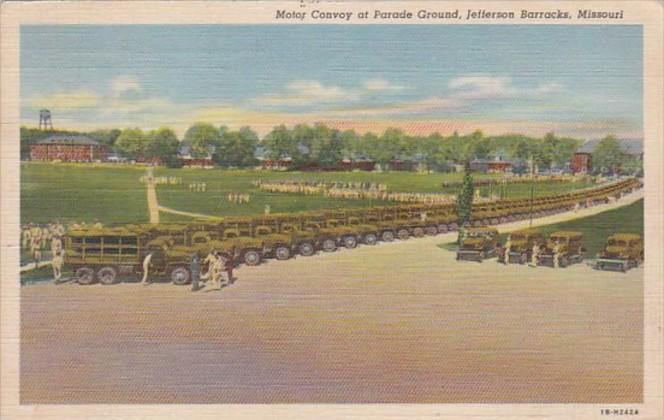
(146, 269)
(57, 261)
(195, 270)
(535, 255)
(230, 263)
(508, 249)
(556, 255)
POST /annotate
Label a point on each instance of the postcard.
(299, 209)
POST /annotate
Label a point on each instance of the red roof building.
(68, 149)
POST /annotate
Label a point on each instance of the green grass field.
(596, 229)
(69, 192)
(113, 193)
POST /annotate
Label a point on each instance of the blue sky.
(575, 80)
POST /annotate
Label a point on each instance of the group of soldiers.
(215, 264)
(198, 187)
(166, 180)
(37, 239)
(535, 252)
(237, 198)
(353, 191)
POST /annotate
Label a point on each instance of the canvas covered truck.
(521, 244)
(478, 244)
(103, 254)
(621, 252)
(367, 232)
(330, 231)
(566, 246)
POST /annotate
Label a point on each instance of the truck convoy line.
(102, 254)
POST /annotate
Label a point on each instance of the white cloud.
(305, 92)
(478, 87)
(125, 84)
(481, 87)
(381, 85)
(66, 100)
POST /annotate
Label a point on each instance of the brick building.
(490, 166)
(68, 149)
(581, 162)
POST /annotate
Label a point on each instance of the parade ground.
(113, 193)
(397, 322)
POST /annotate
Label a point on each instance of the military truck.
(367, 232)
(621, 252)
(478, 244)
(521, 245)
(105, 253)
(304, 241)
(570, 249)
(238, 233)
(275, 244)
(330, 230)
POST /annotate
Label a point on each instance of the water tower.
(45, 122)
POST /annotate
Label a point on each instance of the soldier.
(267, 210)
(146, 269)
(56, 244)
(215, 269)
(556, 255)
(534, 256)
(508, 249)
(195, 270)
(57, 262)
(203, 186)
(27, 239)
(209, 259)
(35, 249)
(230, 264)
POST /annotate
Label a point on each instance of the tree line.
(320, 145)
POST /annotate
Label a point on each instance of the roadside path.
(189, 214)
(153, 203)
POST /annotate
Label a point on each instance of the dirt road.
(398, 322)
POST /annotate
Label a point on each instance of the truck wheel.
(107, 275)
(370, 239)
(454, 226)
(350, 242)
(180, 276)
(282, 253)
(306, 249)
(85, 276)
(403, 234)
(329, 245)
(252, 257)
(387, 236)
(564, 262)
(418, 232)
(442, 228)
(431, 230)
